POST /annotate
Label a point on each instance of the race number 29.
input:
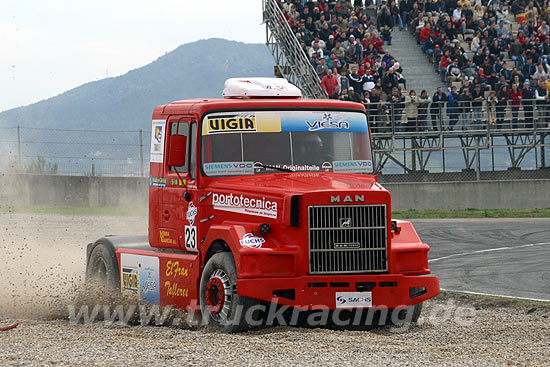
(191, 238)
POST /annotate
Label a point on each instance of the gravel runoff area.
(44, 263)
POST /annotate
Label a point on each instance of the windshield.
(249, 143)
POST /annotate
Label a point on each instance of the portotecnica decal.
(245, 205)
(191, 213)
(327, 123)
(231, 123)
(359, 166)
(249, 240)
(141, 274)
(157, 181)
(157, 141)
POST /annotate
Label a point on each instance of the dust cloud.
(43, 259)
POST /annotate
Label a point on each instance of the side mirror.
(177, 152)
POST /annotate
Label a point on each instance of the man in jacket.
(436, 109)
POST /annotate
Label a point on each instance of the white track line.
(490, 250)
(497, 295)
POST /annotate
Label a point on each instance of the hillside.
(195, 69)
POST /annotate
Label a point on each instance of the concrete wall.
(517, 194)
(80, 191)
(27, 190)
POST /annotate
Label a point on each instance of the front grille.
(347, 239)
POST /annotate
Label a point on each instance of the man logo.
(345, 222)
(348, 199)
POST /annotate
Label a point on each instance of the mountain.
(192, 70)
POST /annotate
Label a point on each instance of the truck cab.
(266, 197)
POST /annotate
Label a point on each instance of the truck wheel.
(102, 268)
(221, 306)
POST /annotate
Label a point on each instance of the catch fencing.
(26, 149)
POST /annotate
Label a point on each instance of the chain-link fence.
(25, 149)
(405, 149)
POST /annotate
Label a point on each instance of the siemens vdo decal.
(283, 121)
(245, 205)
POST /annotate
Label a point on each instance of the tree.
(40, 166)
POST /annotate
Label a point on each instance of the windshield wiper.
(273, 167)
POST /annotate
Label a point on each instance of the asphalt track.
(507, 257)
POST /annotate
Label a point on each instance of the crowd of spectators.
(485, 61)
(345, 46)
(489, 66)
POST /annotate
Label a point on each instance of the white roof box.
(260, 87)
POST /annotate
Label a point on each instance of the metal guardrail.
(411, 145)
(291, 61)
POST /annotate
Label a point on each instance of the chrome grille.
(347, 239)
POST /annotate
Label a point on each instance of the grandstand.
(383, 55)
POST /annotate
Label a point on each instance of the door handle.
(166, 215)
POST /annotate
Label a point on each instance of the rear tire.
(102, 268)
(221, 306)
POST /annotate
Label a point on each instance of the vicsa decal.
(327, 123)
(249, 240)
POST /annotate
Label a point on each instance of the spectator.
(436, 109)
(386, 34)
(384, 16)
(423, 102)
(329, 83)
(411, 109)
(515, 102)
(541, 95)
(453, 72)
(404, 8)
(492, 101)
(398, 104)
(528, 95)
(453, 107)
(322, 69)
(503, 95)
(477, 104)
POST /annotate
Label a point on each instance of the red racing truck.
(264, 197)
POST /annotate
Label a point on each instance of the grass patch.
(71, 210)
(472, 213)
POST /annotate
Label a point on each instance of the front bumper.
(307, 292)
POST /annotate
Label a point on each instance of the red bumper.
(387, 290)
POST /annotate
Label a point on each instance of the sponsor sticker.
(245, 205)
(191, 213)
(141, 274)
(157, 141)
(359, 166)
(327, 123)
(231, 123)
(229, 168)
(353, 299)
(249, 240)
(157, 181)
(130, 279)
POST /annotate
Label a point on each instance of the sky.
(50, 46)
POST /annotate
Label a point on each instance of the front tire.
(221, 306)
